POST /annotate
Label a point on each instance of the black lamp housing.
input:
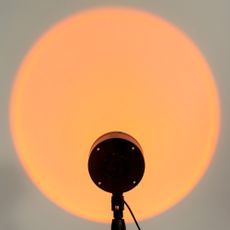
(116, 163)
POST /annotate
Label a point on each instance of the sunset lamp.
(116, 165)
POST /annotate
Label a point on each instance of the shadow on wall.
(11, 192)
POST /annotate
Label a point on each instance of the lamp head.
(116, 163)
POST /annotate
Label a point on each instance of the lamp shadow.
(11, 193)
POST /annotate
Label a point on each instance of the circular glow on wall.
(114, 69)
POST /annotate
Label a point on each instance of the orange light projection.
(114, 69)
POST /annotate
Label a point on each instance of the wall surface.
(22, 206)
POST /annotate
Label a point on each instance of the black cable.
(134, 218)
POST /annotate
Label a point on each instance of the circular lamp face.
(114, 69)
(116, 163)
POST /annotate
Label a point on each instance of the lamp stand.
(118, 223)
